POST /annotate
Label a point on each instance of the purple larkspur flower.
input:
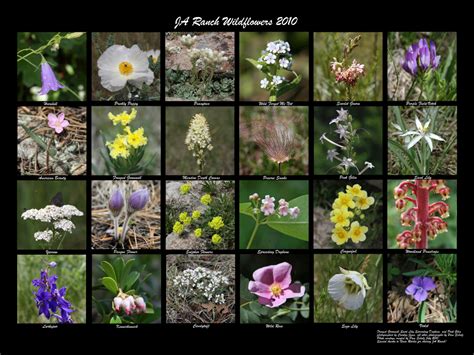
(420, 57)
(419, 287)
(49, 299)
(48, 79)
(138, 200)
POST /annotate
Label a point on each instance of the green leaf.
(419, 272)
(253, 318)
(258, 308)
(246, 208)
(108, 269)
(404, 157)
(115, 320)
(245, 294)
(110, 284)
(298, 227)
(131, 279)
(126, 270)
(259, 66)
(287, 86)
(244, 316)
(38, 140)
(422, 312)
(118, 264)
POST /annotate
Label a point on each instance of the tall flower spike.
(48, 79)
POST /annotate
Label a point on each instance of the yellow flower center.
(126, 68)
(276, 289)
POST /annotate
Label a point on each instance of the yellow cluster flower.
(206, 199)
(123, 118)
(184, 218)
(216, 239)
(196, 215)
(185, 188)
(198, 232)
(122, 144)
(216, 223)
(178, 228)
(356, 199)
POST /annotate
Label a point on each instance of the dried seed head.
(275, 137)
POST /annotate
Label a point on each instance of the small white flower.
(347, 163)
(369, 165)
(348, 289)
(342, 131)
(277, 80)
(273, 47)
(422, 132)
(332, 153)
(264, 83)
(284, 63)
(44, 235)
(270, 58)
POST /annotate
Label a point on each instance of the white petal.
(419, 126)
(353, 302)
(414, 141)
(429, 141)
(111, 58)
(138, 59)
(112, 80)
(409, 133)
(336, 287)
(435, 137)
(427, 124)
(397, 127)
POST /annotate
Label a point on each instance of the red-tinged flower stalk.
(426, 220)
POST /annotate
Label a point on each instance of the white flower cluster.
(187, 40)
(202, 283)
(198, 138)
(207, 57)
(44, 235)
(51, 213)
(277, 55)
(65, 225)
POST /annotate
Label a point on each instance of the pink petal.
(65, 123)
(52, 118)
(264, 275)
(61, 116)
(272, 303)
(282, 274)
(59, 129)
(51, 124)
(260, 289)
(294, 291)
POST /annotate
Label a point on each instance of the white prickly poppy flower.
(348, 289)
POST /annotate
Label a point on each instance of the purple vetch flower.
(49, 299)
(138, 200)
(116, 203)
(419, 287)
(420, 56)
(48, 79)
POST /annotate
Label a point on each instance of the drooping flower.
(419, 287)
(276, 137)
(116, 203)
(48, 79)
(124, 118)
(272, 284)
(58, 123)
(138, 200)
(120, 65)
(348, 289)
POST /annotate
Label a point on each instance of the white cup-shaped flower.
(348, 289)
(117, 303)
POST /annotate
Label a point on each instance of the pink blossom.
(58, 123)
(294, 212)
(273, 285)
(283, 207)
(268, 205)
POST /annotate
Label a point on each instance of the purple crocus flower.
(420, 56)
(419, 287)
(116, 203)
(138, 200)
(48, 79)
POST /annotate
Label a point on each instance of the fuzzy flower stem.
(423, 199)
(116, 227)
(125, 229)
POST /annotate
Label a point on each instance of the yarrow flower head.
(419, 287)
(48, 79)
(120, 65)
(420, 57)
(50, 300)
(272, 284)
(348, 289)
(198, 139)
(58, 123)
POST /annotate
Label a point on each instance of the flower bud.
(116, 203)
(126, 306)
(52, 264)
(138, 200)
(398, 193)
(73, 35)
(444, 192)
(132, 302)
(400, 204)
(141, 305)
(254, 197)
(405, 219)
(117, 303)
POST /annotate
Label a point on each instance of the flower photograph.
(422, 140)
(125, 214)
(348, 66)
(128, 289)
(51, 289)
(274, 289)
(51, 215)
(200, 289)
(422, 66)
(274, 66)
(273, 140)
(199, 141)
(348, 288)
(422, 288)
(348, 215)
(273, 214)
(51, 140)
(422, 214)
(348, 141)
(200, 215)
(199, 66)
(126, 66)
(126, 140)
(51, 66)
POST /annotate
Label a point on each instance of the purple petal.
(411, 289)
(260, 289)
(282, 274)
(294, 291)
(428, 284)
(420, 295)
(264, 275)
(272, 303)
(425, 60)
(48, 79)
(61, 116)
(417, 281)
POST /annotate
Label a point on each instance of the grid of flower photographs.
(257, 179)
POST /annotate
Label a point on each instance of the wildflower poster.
(242, 174)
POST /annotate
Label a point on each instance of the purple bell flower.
(138, 200)
(48, 79)
(419, 287)
(420, 57)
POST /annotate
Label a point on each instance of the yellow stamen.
(126, 68)
(276, 289)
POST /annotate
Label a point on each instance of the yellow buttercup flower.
(216, 239)
(343, 200)
(357, 232)
(206, 199)
(123, 118)
(178, 228)
(340, 235)
(136, 138)
(216, 223)
(118, 147)
(354, 190)
(364, 201)
(340, 217)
